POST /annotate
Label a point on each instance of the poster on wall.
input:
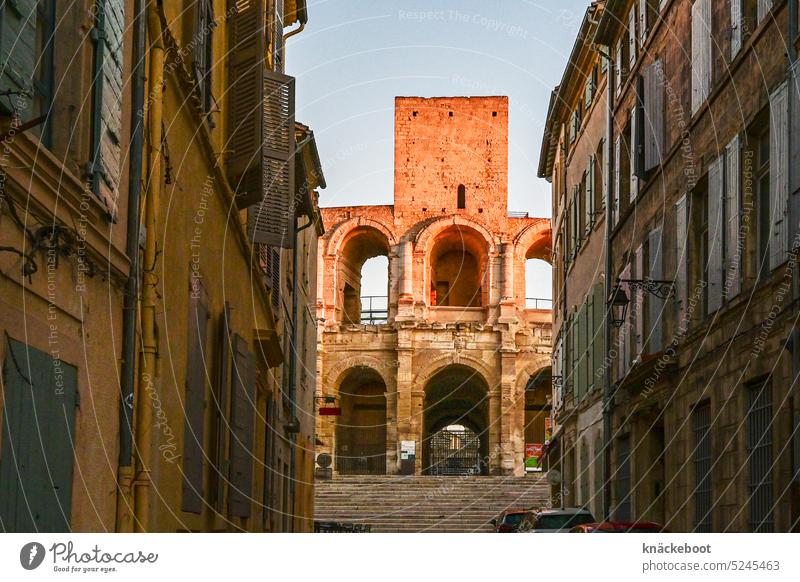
(533, 455)
(408, 457)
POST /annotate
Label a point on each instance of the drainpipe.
(125, 471)
(608, 400)
(794, 221)
(149, 343)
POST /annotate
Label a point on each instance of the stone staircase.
(412, 503)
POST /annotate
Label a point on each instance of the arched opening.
(455, 423)
(457, 268)
(537, 418)
(462, 197)
(538, 284)
(363, 277)
(361, 428)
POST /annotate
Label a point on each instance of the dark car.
(509, 521)
(620, 527)
(555, 520)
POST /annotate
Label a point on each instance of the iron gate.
(454, 452)
(363, 452)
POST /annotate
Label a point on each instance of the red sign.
(330, 411)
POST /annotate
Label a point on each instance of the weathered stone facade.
(457, 344)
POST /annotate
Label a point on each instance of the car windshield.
(513, 518)
(562, 520)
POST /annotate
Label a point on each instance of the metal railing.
(374, 309)
(538, 303)
(518, 214)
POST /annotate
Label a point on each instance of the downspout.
(125, 470)
(794, 85)
(149, 343)
(608, 400)
(302, 15)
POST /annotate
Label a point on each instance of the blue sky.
(354, 57)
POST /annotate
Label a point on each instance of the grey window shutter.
(638, 121)
(590, 174)
(632, 38)
(655, 304)
(764, 6)
(270, 221)
(243, 409)
(38, 441)
(737, 26)
(599, 341)
(701, 52)
(198, 365)
(637, 303)
(245, 96)
(270, 259)
(654, 115)
(617, 178)
(681, 259)
(618, 71)
(18, 55)
(734, 244)
(220, 409)
(779, 174)
(625, 331)
(633, 146)
(716, 228)
(643, 21)
(580, 354)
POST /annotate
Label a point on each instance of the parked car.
(620, 527)
(555, 520)
(509, 520)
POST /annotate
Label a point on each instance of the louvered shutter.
(734, 245)
(681, 259)
(244, 161)
(643, 21)
(270, 222)
(590, 339)
(794, 155)
(716, 228)
(576, 237)
(270, 262)
(18, 54)
(638, 132)
(220, 409)
(590, 174)
(580, 352)
(701, 52)
(779, 174)
(618, 73)
(243, 409)
(633, 145)
(764, 7)
(737, 26)
(111, 113)
(194, 404)
(617, 178)
(599, 340)
(632, 38)
(625, 330)
(637, 302)
(654, 115)
(655, 304)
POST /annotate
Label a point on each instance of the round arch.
(425, 237)
(436, 365)
(343, 230)
(532, 242)
(337, 373)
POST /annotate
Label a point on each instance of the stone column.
(404, 406)
(392, 466)
(510, 432)
(405, 274)
(495, 451)
(508, 308)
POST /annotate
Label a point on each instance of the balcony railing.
(538, 303)
(374, 309)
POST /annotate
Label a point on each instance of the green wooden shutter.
(18, 53)
(243, 408)
(198, 365)
(38, 454)
(599, 343)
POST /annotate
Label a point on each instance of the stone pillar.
(510, 431)
(395, 289)
(392, 466)
(495, 449)
(417, 423)
(508, 308)
(405, 375)
(405, 274)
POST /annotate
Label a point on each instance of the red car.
(620, 527)
(509, 521)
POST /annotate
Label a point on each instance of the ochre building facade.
(451, 373)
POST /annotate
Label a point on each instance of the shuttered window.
(198, 366)
(637, 304)
(626, 330)
(734, 242)
(590, 193)
(619, 71)
(644, 21)
(764, 6)
(794, 153)
(701, 53)
(38, 441)
(632, 38)
(633, 148)
(737, 27)
(702, 464)
(638, 122)
(18, 56)
(221, 401)
(599, 337)
(681, 260)
(779, 175)
(203, 55)
(622, 484)
(653, 115)
(759, 457)
(270, 263)
(716, 229)
(655, 305)
(617, 179)
(243, 410)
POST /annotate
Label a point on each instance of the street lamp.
(618, 301)
(619, 305)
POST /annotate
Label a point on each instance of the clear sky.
(355, 56)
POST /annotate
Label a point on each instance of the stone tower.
(451, 374)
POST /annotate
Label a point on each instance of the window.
(759, 455)
(762, 185)
(462, 197)
(701, 53)
(203, 57)
(600, 178)
(44, 71)
(698, 243)
(623, 481)
(702, 464)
